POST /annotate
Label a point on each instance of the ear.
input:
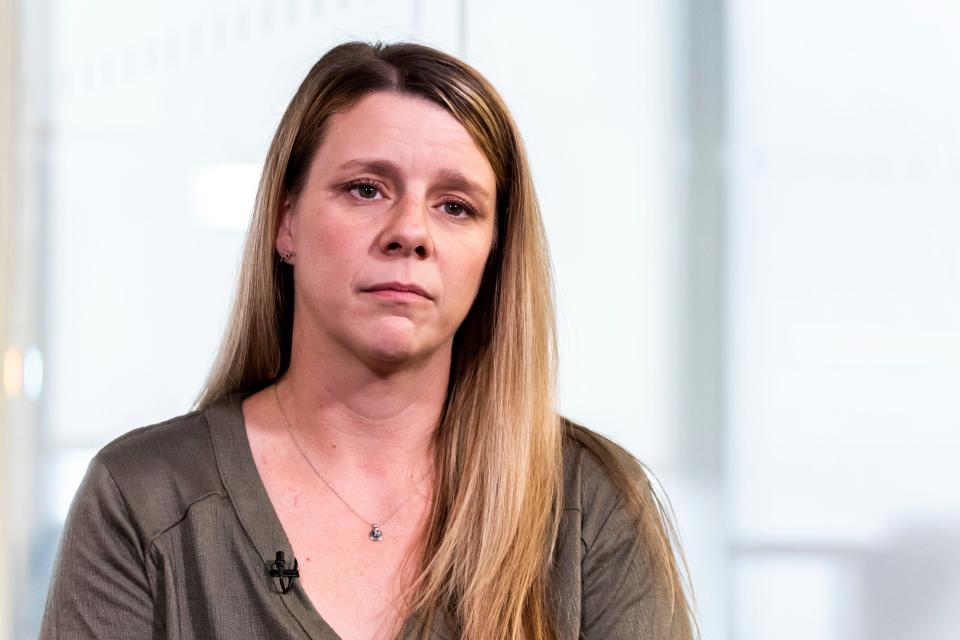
(285, 232)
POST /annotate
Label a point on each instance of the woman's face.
(397, 192)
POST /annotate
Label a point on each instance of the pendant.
(375, 533)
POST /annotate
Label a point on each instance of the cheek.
(331, 254)
(466, 273)
(333, 243)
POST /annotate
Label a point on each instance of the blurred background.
(754, 216)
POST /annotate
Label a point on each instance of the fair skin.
(368, 372)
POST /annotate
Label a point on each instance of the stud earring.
(287, 255)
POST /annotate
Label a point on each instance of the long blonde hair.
(498, 497)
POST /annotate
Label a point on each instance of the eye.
(366, 189)
(459, 206)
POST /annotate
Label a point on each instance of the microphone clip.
(278, 570)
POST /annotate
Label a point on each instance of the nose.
(407, 228)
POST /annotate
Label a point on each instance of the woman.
(382, 410)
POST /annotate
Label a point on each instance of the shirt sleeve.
(622, 597)
(100, 587)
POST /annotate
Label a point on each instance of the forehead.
(407, 130)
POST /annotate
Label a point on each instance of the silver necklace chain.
(375, 532)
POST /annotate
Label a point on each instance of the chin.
(391, 353)
(395, 341)
(392, 347)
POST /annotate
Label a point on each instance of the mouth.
(399, 291)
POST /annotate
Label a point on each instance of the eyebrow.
(450, 178)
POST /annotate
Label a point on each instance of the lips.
(400, 286)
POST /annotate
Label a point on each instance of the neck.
(361, 425)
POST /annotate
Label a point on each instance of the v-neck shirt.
(172, 534)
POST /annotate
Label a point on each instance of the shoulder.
(161, 469)
(630, 581)
(592, 465)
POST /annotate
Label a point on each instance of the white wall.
(845, 318)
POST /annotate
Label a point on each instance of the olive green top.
(171, 534)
